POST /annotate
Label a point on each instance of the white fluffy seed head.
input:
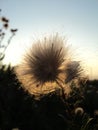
(43, 66)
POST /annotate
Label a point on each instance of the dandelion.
(43, 67)
(79, 111)
(73, 70)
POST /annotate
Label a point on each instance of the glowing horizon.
(88, 59)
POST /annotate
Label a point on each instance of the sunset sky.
(77, 20)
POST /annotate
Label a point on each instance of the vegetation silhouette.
(47, 66)
(77, 110)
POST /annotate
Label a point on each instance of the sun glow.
(13, 54)
(87, 57)
(90, 64)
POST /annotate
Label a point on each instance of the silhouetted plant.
(47, 66)
(4, 22)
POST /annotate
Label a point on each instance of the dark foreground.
(78, 111)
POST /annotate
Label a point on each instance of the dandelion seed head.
(43, 66)
(73, 70)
